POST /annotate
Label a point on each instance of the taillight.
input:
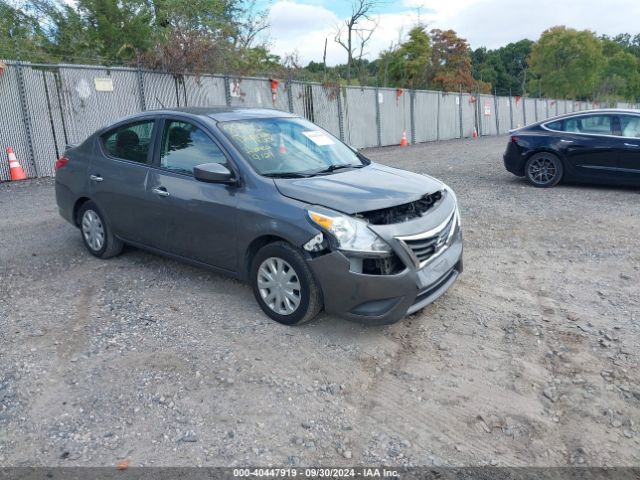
(514, 139)
(61, 162)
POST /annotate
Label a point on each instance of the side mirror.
(213, 173)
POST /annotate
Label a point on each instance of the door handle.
(566, 141)
(631, 145)
(161, 192)
(96, 178)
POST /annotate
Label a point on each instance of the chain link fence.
(47, 107)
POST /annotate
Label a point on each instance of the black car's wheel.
(96, 234)
(543, 170)
(284, 285)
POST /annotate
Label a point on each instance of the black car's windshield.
(289, 147)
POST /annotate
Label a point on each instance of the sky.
(302, 25)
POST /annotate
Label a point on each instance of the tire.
(96, 234)
(282, 263)
(544, 170)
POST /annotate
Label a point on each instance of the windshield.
(289, 147)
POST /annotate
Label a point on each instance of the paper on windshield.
(319, 138)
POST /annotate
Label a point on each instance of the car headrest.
(179, 138)
(127, 139)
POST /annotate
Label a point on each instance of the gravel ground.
(530, 359)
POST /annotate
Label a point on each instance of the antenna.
(161, 104)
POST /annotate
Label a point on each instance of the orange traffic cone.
(403, 140)
(475, 132)
(282, 149)
(15, 170)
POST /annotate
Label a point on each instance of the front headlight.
(352, 235)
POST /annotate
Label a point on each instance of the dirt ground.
(530, 359)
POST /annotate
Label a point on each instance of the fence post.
(524, 110)
(378, 120)
(510, 110)
(340, 119)
(227, 90)
(478, 118)
(143, 100)
(495, 102)
(412, 98)
(289, 86)
(546, 102)
(25, 115)
(51, 123)
(438, 118)
(460, 111)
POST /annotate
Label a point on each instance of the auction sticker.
(318, 138)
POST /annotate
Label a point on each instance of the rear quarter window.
(557, 125)
(129, 142)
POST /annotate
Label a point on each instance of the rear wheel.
(284, 285)
(543, 170)
(96, 234)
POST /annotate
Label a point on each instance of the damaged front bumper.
(385, 299)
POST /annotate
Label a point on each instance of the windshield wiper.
(286, 175)
(339, 166)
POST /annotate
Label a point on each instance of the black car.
(596, 146)
(269, 198)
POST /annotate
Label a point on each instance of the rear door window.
(184, 146)
(630, 126)
(131, 141)
(590, 124)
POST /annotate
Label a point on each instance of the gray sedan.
(269, 198)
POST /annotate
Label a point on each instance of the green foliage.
(223, 36)
(21, 32)
(567, 63)
(504, 68)
(410, 63)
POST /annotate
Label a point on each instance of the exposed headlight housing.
(352, 235)
(450, 191)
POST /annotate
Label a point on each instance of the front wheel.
(283, 284)
(543, 170)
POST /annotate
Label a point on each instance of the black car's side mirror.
(213, 173)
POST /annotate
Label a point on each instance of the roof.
(223, 114)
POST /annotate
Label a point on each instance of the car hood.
(360, 190)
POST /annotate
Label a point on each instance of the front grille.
(423, 247)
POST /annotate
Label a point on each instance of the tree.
(352, 29)
(21, 32)
(567, 63)
(505, 68)
(412, 60)
(451, 62)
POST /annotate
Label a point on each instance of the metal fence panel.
(395, 116)
(205, 91)
(324, 103)
(359, 110)
(541, 109)
(468, 106)
(426, 115)
(504, 114)
(12, 128)
(88, 109)
(298, 98)
(449, 118)
(160, 90)
(487, 114)
(529, 105)
(517, 104)
(43, 138)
